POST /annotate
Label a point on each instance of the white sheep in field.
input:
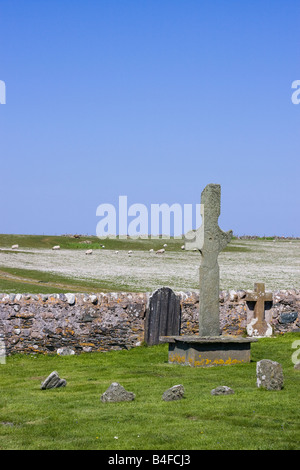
(14, 247)
(89, 252)
(159, 252)
(56, 247)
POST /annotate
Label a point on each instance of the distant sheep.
(89, 252)
(56, 247)
(162, 250)
(14, 247)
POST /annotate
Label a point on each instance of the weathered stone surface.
(116, 393)
(297, 366)
(269, 375)
(174, 393)
(70, 298)
(289, 317)
(258, 326)
(53, 381)
(199, 351)
(210, 240)
(65, 351)
(222, 390)
(163, 317)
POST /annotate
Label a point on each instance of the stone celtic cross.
(210, 240)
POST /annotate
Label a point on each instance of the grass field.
(74, 417)
(35, 268)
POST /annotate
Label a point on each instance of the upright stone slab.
(163, 316)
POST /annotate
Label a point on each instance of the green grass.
(75, 418)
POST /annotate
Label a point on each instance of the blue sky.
(152, 99)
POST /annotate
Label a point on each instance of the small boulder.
(53, 381)
(174, 393)
(116, 393)
(222, 390)
(269, 375)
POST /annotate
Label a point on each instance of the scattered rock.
(174, 393)
(297, 366)
(269, 375)
(93, 299)
(65, 351)
(222, 390)
(53, 381)
(116, 393)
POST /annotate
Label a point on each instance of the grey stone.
(222, 390)
(53, 381)
(116, 393)
(210, 240)
(65, 351)
(297, 366)
(269, 375)
(70, 298)
(174, 393)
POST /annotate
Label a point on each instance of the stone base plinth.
(206, 351)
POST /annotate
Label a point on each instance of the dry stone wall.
(107, 321)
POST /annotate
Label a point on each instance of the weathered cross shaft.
(209, 239)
